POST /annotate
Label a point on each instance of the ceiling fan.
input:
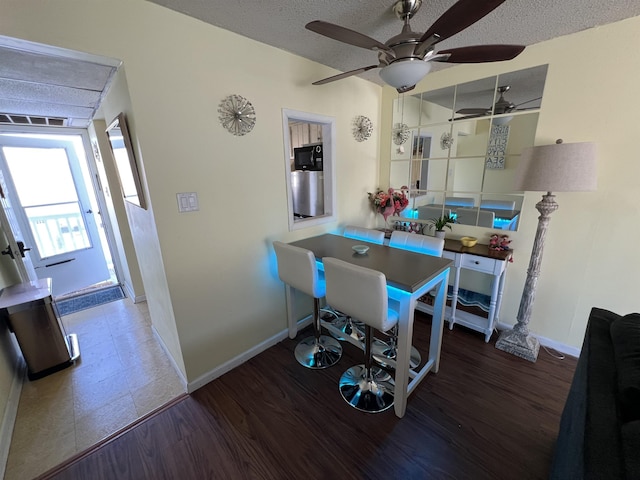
(501, 106)
(406, 58)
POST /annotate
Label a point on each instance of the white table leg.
(499, 300)
(454, 296)
(437, 322)
(405, 334)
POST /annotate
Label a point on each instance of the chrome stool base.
(385, 355)
(349, 328)
(323, 353)
(368, 393)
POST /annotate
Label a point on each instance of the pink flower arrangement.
(391, 202)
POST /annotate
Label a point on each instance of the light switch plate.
(188, 202)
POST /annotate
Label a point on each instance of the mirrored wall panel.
(456, 149)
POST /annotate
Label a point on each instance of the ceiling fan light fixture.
(405, 73)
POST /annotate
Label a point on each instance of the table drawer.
(482, 264)
(448, 255)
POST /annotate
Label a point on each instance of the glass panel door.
(46, 188)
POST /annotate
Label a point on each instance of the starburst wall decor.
(401, 133)
(237, 115)
(362, 128)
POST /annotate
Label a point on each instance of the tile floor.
(122, 374)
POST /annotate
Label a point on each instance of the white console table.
(478, 258)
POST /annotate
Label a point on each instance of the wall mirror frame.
(462, 146)
(326, 125)
(125, 160)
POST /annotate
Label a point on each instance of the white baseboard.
(10, 414)
(139, 299)
(131, 294)
(170, 357)
(547, 342)
(237, 361)
(243, 357)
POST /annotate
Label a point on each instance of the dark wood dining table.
(409, 276)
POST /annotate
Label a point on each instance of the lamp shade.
(562, 167)
(405, 73)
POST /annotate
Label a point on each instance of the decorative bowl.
(361, 249)
(468, 241)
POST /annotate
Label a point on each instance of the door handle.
(7, 251)
(21, 247)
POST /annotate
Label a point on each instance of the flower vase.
(386, 213)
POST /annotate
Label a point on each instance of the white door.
(11, 228)
(45, 187)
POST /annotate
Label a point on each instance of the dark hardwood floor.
(485, 415)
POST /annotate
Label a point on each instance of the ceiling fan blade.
(346, 35)
(340, 76)
(481, 53)
(473, 111)
(468, 117)
(461, 15)
(528, 101)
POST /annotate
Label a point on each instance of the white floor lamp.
(563, 167)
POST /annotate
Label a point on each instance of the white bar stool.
(297, 268)
(362, 293)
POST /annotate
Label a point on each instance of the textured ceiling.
(280, 23)
(43, 85)
(36, 81)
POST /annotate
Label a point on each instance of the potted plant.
(440, 223)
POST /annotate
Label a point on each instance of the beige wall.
(142, 226)
(590, 95)
(209, 276)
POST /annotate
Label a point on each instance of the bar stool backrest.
(359, 292)
(297, 267)
(467, 216)
(365, 234)
(417, 243)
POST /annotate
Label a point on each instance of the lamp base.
(519, 344)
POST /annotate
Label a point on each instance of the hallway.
(122, 374)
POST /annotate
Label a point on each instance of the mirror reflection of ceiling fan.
(501, 106)
(406, 58)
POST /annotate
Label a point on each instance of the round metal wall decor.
(446, 140)
(401, 133)
(362, 128)
(237, 115)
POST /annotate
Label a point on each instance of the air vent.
(10, 119)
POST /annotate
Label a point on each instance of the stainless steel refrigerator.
(308, 193)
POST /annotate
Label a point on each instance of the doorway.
(421, 153)
(53, 210)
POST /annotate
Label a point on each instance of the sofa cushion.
(630, 448)
(625, 335)
(602, 441)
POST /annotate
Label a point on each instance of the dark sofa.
(599, 435)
